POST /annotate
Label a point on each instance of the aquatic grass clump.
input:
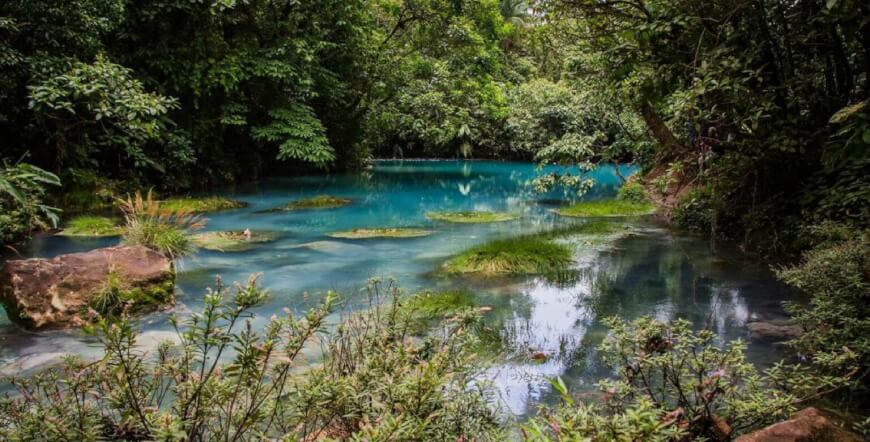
(543, 253)
(390, 232)
(523, 255)
(471, 217)
(313, 203)
(606, 208)
(201, 204)
(92, 225)
(436, 305)
(232, 241)
(166, 230)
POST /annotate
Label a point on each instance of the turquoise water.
(653, 271)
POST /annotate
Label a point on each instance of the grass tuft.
(471, 217)
(606, 208)
(150, 224)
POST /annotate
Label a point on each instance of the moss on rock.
(138, 298)
(201, 204)
(320, 202)
(471, 217)
(232, 241)
(92, 225)
(389, 232)
(606, 208)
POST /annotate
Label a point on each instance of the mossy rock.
(201, 204)
(470, 217)
(606, 208)
(139, 299)
(320, 202)
(389, 232)
(92, 226)
(233, 241)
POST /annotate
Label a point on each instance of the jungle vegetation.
(750, 120)
(740, 116)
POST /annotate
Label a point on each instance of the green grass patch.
(590, 228)
(536, 254)
(380, 233)
(234, 241)
(430, 305)
(606, 208)
(201, 204)
(313, 203)
(471, 217)
(523, 255)
(91, 225)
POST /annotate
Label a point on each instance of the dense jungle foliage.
(750, 120)
(741, 113)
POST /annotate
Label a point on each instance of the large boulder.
(807, 425)
(60, 292)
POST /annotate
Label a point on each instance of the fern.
(300, 133)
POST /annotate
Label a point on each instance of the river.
(652, 271)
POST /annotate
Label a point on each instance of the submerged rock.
(380, 233)
(807, 425)
(320, 202)
(330, 247)
(234, 241)
(471, 217)
(774, 331)
(59, 292)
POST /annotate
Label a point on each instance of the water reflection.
(649, 273)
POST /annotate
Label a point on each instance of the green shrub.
(225, 381)
(672, 384)
(694, 211)
(633, 192)
(22, 193)
(836, 275)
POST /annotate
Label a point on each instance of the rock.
(330, 247)
(26, 363)
(773, 331)
(58, 292)
(807, 425)
(387, 232)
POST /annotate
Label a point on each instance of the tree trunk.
(661, 132)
